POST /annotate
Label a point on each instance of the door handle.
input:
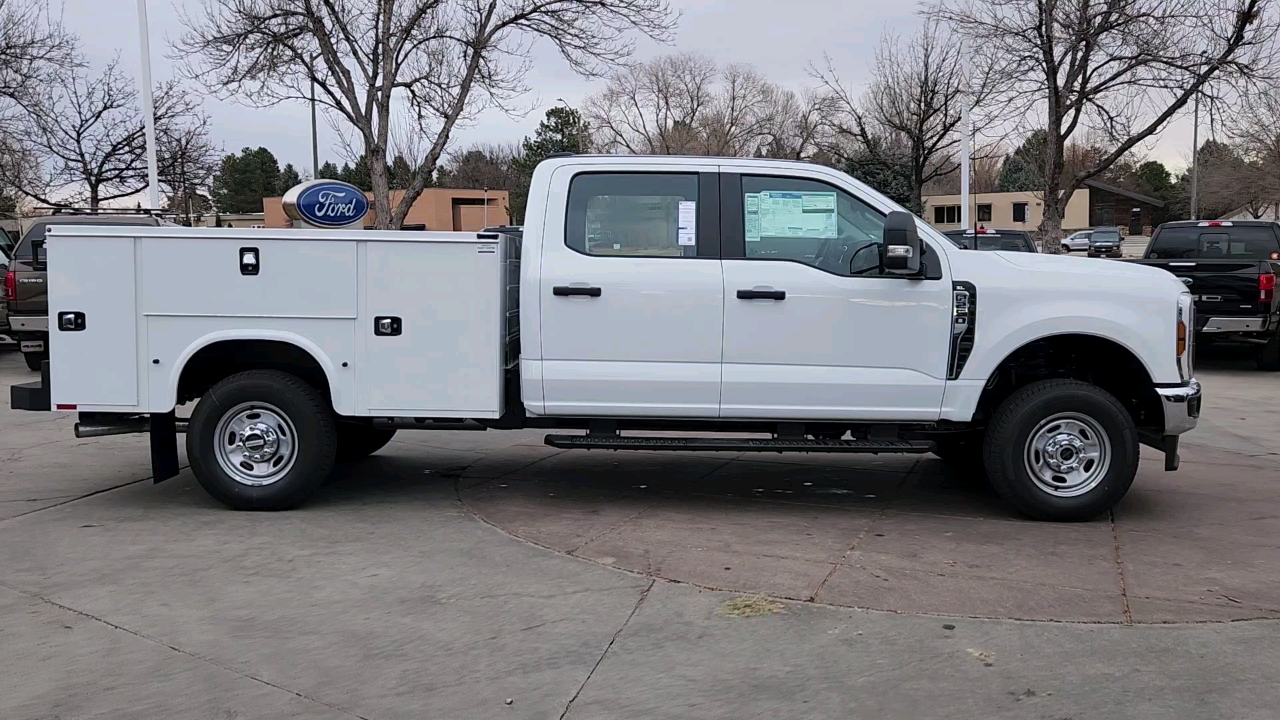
(568, 290)
(762, 294)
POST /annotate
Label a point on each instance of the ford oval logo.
(326, 203)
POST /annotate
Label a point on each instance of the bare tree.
(1254, 126)
(187, 160)
(686, 104)
(438, 61)
(916, 96)
(87, 134)
(1123, 69)
(34, 48)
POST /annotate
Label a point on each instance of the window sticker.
(773, 213)
(686, 230)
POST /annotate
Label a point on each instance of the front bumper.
(1181, 406)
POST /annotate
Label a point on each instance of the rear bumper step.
(779, 445)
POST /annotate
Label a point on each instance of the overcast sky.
(779, 38)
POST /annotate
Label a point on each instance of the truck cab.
(706, 298)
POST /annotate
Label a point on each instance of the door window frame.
(708, 240)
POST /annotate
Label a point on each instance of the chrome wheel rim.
(256, 443)
(1068, 455)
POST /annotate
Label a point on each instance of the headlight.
(1186, 335)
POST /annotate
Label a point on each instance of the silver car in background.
(1076, 241)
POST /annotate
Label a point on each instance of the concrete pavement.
(388, 598)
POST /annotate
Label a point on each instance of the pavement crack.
(180, 651)
(1124, 594)
(835, 567)
(78, 498)
(639, 601)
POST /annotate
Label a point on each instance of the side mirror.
(900, 251)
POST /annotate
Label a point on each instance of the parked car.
(1230, 267)
(734, 296)
(1076, 241)
(25, 288)
(1105, 242)
(1005, 240)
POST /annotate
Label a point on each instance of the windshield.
(1225, 242)
(1105, 236)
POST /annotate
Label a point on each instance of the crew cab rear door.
(631, 293)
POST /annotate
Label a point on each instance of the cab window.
(810, 222)
(633, 214)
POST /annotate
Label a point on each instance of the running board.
(778, 445)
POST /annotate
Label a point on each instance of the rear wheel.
(261, 440)
(1269, 355)
(34, 359)
(356, 442)
(1061, 450)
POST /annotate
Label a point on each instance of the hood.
(1071, 272)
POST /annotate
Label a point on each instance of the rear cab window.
(1247, 242)
(633, 215)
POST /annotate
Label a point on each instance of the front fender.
(1011, 325)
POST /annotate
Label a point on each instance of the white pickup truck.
(739, 305)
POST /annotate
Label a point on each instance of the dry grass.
(751, 606)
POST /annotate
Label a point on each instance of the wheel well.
(223, 359)
(1087, 358)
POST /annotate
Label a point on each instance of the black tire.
(357, 442)
(1019, 416)
(313, 428)
(1066, 249)
(34, 359)
(1269, 355)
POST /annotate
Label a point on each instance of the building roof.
(1124, 193)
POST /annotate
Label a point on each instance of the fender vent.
(964, 319)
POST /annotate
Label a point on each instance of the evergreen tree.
(1023, 169)
(357, 174)
(562, 130)
(243, 180)
(288, 178)
(329, 171)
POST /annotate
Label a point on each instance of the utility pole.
(148, 109)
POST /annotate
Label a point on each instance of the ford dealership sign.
(326, 204)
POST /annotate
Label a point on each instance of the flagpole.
(148, 109)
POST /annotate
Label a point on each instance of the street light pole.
(148, 109)
(966, 127)
(315, 144)
(1195, 160)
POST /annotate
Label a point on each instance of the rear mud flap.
(164, 447)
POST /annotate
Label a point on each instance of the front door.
(812, 330)
(632, 305)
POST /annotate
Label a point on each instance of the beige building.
(1004, 211)
(435, 209)
(1096, 204)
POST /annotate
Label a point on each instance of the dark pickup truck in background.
(1230, 267)
(25, 288)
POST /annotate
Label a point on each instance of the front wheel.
(1066, 249)
(1061, 450)
(261, 440)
